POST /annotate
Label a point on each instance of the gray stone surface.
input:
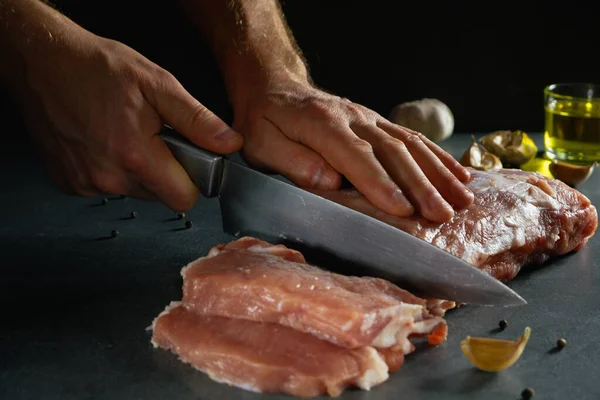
(76, 306)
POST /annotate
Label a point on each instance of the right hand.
(94, 107)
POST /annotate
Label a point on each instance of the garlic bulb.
(431, 117)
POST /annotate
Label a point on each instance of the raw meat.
(517, 218)
(258, 281)
(263, 357)
(257, 316)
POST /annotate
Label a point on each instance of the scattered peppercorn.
(114, 233)
(528, 393)
(188, 224)
(105, 201)
(122, 196)
(180, 215)
(560, 343)
(133, 214)
(503, 324)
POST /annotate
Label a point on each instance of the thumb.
(180, 110)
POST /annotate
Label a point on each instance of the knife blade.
(256, 204)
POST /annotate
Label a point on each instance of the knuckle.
(427, 191)
(163, 78)
(390, 141)
(358, 116)
(321, 109)
(413, 140)
(361, 145)
(441, 169)
(133, 160)
(199, 115)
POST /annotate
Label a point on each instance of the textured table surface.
(77, 304)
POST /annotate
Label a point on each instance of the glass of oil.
(572, 126)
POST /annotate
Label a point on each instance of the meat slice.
(265, 357)
(254, 280)
(518, 218)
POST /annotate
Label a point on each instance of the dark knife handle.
(204, 167)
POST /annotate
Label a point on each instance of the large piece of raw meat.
(257, 316)
(264, 357)
(517, 218)
(256, 280)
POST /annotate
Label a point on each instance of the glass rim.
(548, 90)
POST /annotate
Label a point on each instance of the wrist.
(249, 80)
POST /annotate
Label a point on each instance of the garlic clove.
(494, 355)
(477, 157)
(571, 174)
(512, 147)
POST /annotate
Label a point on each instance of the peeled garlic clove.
(476, 156)
(512, 147)
(494, 355)
(571, 174)
(431, 117)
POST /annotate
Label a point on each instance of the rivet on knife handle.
(204, 167)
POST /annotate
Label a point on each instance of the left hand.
(311, 137)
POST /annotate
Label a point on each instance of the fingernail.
(467, 174)
(399, 198)
(323, 179)
(227, 134)
(462, 191)
(316, 178)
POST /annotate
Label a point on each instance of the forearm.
(29, 32)
(250, 40)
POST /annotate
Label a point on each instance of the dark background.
(489, 61)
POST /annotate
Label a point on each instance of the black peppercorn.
(528, 393)
(133, 214)
(560, 343)
(180, 215)
(188, 224)
(503, 324)
(114, 233)
(105, 201)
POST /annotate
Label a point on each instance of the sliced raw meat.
(255, 280)
(265, 357)
(517, 218)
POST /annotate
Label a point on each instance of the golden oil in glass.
(572, 130)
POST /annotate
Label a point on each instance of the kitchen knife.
(256, 204)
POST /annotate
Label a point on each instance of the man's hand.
(311, 137)
(94, 107)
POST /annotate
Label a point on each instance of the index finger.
(161, 174)
(189, 117)
(450, 162)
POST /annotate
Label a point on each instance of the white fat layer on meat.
(260, 249)
(242, 385)
(421, 327)
(368, 321)
(347, 326)
(401, 324)
(376, 374)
